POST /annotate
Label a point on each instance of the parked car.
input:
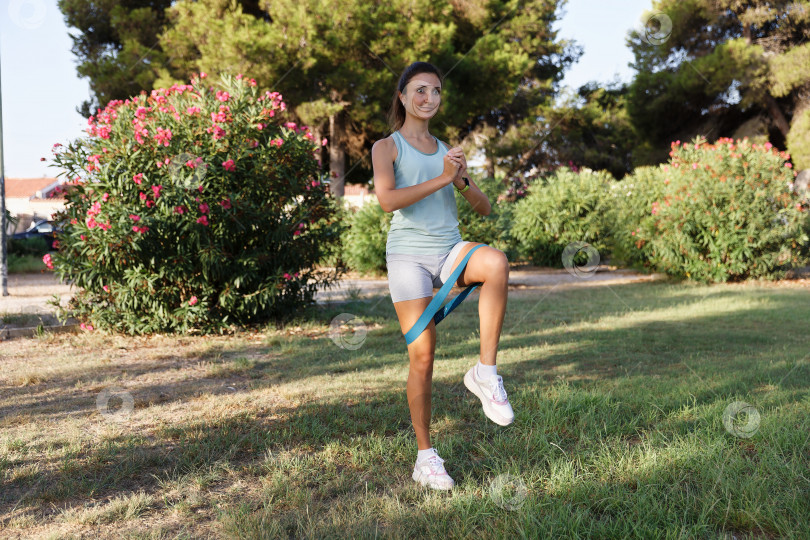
(40, 228)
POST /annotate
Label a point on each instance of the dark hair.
(396, 114)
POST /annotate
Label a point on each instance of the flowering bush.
(721, 212)
(562, 208)
(191, 209)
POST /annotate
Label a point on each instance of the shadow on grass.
(675, 361)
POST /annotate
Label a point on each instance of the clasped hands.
(455, 165)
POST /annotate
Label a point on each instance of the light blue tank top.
(428, 226)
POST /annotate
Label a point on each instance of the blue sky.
(41, 90)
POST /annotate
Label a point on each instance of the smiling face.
(422, 95)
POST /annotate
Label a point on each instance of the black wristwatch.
(465, 188)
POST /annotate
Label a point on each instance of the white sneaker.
(430, 471)
(492, 395)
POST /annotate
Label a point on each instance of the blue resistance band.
(433, 311)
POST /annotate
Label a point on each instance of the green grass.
(619, 394)
(20, 264)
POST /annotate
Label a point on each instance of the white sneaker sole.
(425, 481)
(472, 386)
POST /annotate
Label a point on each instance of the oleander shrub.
(193, 209)
(494, 229)
(364, 243)
(564, 208)
(727, 213)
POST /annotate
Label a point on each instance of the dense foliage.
(718, 212)
(191, 209)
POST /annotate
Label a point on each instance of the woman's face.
(422, 95)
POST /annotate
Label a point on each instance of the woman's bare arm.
(477, 198)
(388, 195)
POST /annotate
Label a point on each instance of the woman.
(412, 177)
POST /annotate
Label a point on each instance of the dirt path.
(29, 293)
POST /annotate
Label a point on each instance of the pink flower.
(229, 166)
(192, 300)
(106, 288)
(323, 141)
(789, 165)
(203, 75)
(150, 204)
(163, 136)
(142, 195)
(84, 326)
(222, 96)
(768, 146)
(203, 220)
(226, 203)
(218, 132)
(47, 260)
(260, 126)
(192, 110)
(134, 217)
(83, 237)
(105, 197)
(289, 125)
(138, 178)
(204, 208)
(694, 165)
(156, 190)
(180, 209)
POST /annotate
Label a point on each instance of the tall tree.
(728, 68)
(117, 46)
(337, 64)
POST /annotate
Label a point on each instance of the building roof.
(25, 188)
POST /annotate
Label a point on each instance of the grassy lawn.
(622, 394)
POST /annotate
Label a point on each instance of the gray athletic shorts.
(415, 276)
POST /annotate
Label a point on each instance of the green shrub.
(560, 209)
(798, 139)
(727, 213)
(364, 243)
(495, 229)
(28, 246)
(630, 203)
(193, 209)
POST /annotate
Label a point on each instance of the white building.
(30, 199)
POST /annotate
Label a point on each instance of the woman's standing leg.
(420, 376)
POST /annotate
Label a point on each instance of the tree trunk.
(776, 114)
(337, 157)
(489, 163)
